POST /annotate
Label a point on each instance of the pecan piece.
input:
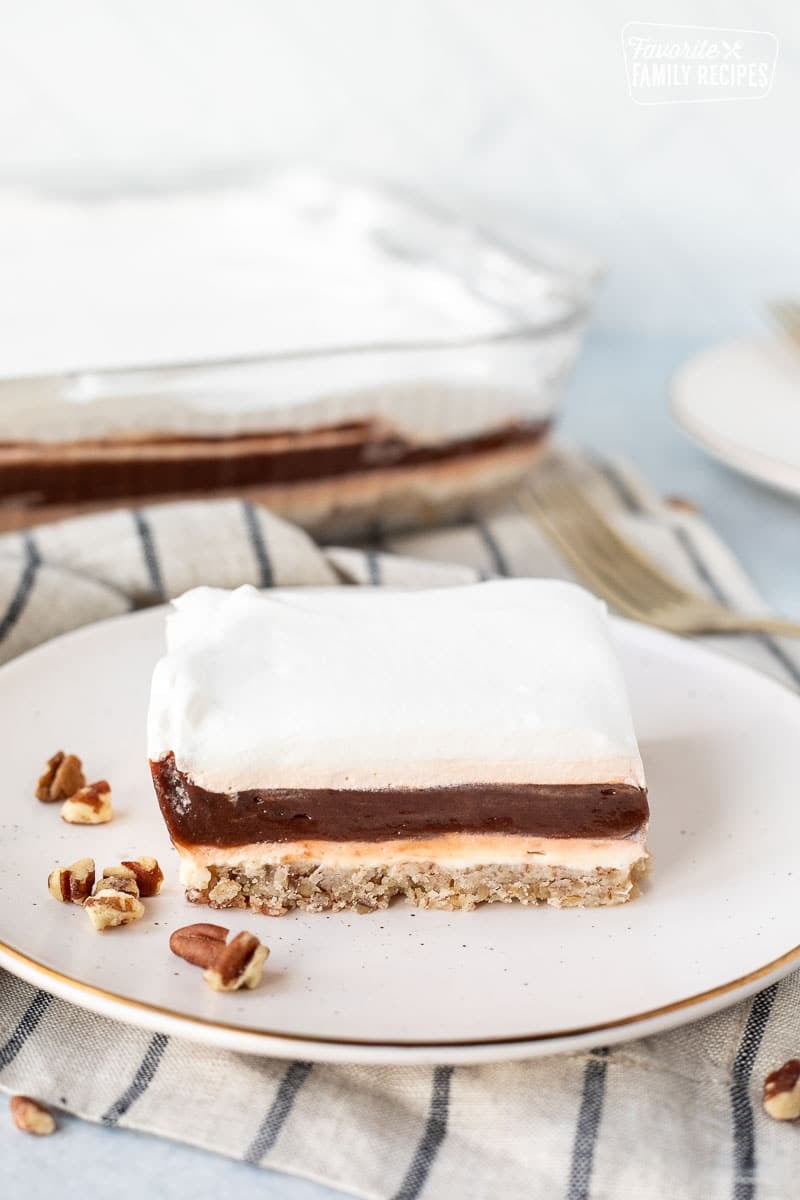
(62, 778)
(31, 1117)
(200, 944)
(148, 875)
(72, 883)
(90, 805)
(239, 964)
(782, 1092)
(108, 908)
(117, 879)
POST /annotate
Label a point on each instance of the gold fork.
(787, 315)
(619, 572)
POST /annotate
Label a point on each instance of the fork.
(618, 571)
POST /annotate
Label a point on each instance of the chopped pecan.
(72, 883)
(90, 805)
(62, 778)
(200, 944)
(148, 875)
(782, 1092)
(108, 908)
(31, 1117)
(117, 879)
(239, 964)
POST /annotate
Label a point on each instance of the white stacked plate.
(741, 402)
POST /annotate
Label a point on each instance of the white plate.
(741, 403)
(716, 920)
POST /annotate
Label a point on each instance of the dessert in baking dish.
(338, 352)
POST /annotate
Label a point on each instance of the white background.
(516, 111)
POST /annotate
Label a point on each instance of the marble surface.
(617, 406)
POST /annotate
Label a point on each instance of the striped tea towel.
(674, 1117)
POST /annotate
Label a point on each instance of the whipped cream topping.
(512, 681)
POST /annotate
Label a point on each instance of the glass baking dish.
(337, 350)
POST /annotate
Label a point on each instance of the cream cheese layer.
(455, 851)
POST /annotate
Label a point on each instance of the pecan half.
(62, 777)
(148, 875)
(31, 1117)
(90, 805)
(239, 964)
(199, 944)
(74, 883)
(782, 1092)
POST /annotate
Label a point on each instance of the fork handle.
(774, 625)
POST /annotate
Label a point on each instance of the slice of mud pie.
(328, 749)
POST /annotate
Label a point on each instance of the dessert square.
(335, 748)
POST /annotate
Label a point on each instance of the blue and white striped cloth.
(675, 1117)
